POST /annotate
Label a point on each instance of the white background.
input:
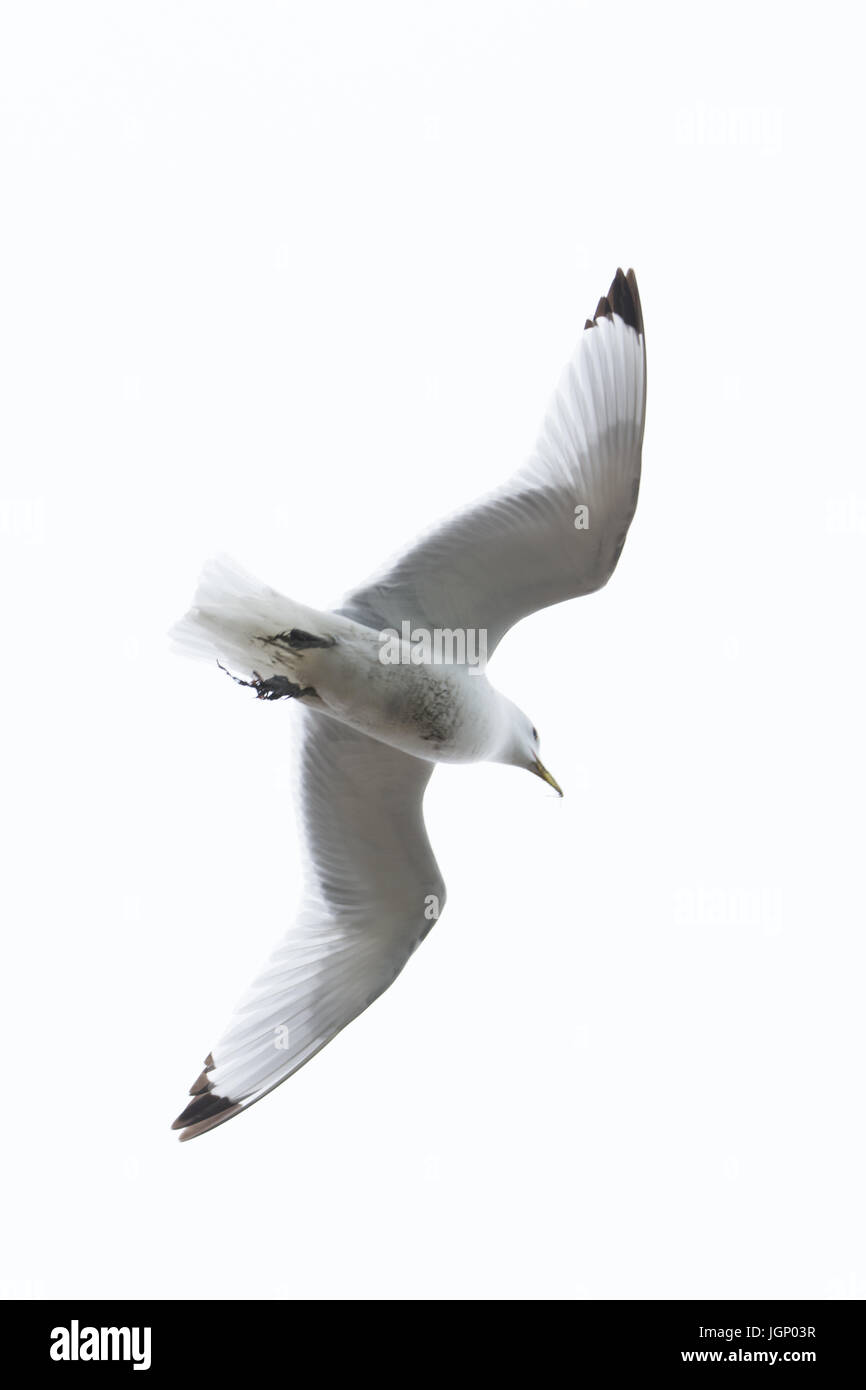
(288, 281)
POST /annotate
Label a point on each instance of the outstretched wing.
(556, 528)
(372, 892)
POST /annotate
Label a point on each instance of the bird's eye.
(535, 733)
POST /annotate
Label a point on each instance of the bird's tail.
(256, 633)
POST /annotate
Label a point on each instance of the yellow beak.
(541, 771)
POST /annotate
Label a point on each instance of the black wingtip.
(205, 1126)
(623, 299)
(204, 1111)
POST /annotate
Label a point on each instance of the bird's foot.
(272, 688)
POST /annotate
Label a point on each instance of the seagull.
(380, 704)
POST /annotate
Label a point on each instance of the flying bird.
(379, 708)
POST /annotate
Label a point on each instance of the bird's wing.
(556, 528)
(372, 892)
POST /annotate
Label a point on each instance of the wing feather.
(372, 892)
(517, 549)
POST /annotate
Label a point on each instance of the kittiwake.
(380, 708)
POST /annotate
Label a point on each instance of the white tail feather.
(232, 616)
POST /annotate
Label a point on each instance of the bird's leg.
(272, 688)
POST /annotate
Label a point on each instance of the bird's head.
(521, 747)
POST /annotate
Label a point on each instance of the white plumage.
(371, 733)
